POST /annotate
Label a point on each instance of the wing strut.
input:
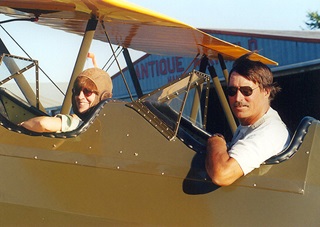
(116, 59)
(133, 73)
(21, 81)
(81, 60)
(224, 68)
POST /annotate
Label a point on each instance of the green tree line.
(313, 20)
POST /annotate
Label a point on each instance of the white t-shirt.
(252, 145)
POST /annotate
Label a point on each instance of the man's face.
(248, 109)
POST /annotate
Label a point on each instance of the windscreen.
(183, 99)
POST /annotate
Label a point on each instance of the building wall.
(282, 49)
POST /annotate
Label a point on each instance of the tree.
(313, 20)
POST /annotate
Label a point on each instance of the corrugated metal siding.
(155, 71)
(285, 52)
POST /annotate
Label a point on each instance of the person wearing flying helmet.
(90, 87)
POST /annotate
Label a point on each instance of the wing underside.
(127, 25)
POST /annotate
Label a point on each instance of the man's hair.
(256, 72)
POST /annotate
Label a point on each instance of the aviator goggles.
(245, 90)
(86, 92)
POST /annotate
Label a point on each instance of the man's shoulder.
(272, 116)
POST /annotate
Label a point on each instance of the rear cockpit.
(179, 110)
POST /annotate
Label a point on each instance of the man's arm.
(43, 124)
(222, 169)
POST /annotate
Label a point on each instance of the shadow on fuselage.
(197, 180)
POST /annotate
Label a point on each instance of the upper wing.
(127, 25)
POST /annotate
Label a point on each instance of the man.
(261, 133)
(90, 87)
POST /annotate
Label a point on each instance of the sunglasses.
(86, 92)
(245, 90)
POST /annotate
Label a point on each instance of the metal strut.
(44, 73)
(81, 59)
(115, 57)
(133, 73)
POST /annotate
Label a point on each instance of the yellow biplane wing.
(127, 25)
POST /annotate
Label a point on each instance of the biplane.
(140, 162)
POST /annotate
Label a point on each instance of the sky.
(57, 50)
(240, 14)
